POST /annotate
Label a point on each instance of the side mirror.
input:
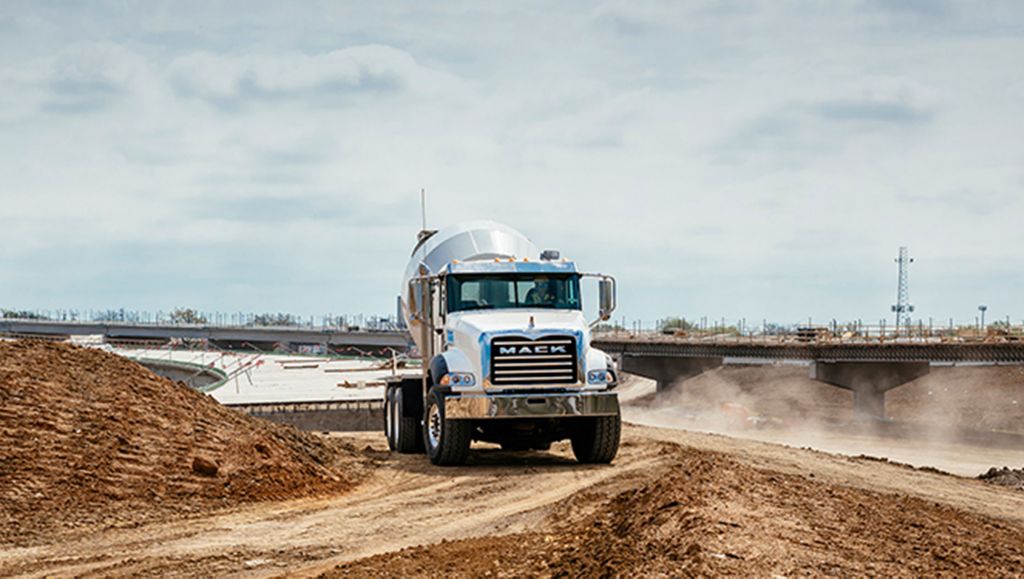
(606, 297)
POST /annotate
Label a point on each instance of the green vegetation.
(21, 315)
(187, 316)
(672, 324)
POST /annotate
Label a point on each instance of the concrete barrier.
(202, 378)
(326, 416)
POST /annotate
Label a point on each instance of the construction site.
(483, 289)
(738, 468)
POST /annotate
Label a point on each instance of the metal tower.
(903, 308)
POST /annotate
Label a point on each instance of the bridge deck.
(837, 350)
(129, 331)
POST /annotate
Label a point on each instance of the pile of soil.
(705, 514)
(1006, 476)
(91, 439)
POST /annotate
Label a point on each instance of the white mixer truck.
(506, 350)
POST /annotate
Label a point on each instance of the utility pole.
(902, 308)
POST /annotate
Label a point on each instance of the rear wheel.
(595, 439)
(389, 417)
(403, 432)
(447, 441)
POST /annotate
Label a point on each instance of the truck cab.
(505, 348)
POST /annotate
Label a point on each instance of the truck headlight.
(600, 377)
(458, 379)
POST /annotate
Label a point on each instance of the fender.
(438, 368)
(452, 360)
(599, 360)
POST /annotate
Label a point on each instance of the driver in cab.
(542, 294)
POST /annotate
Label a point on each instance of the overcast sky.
(737, 159)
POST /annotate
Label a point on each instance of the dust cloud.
(963, 420)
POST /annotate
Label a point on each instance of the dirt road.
(407, 503)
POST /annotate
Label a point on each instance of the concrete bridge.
(867, 368)
(264, 338)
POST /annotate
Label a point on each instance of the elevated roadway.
(868, 368)
(224, 336)
(1010, 352)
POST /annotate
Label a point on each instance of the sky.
(736, 159)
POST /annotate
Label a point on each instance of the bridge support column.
(869, 381)
(667, 370)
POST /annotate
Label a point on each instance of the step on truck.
(505, 350)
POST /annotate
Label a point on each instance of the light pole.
(982, 308)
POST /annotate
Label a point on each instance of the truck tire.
(447, 441)
(404, 432)
(389, 417)
(596, 440)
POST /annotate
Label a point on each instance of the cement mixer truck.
(505, 349)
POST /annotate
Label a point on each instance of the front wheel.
(595, 440)
(447, 441)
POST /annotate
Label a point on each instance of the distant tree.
(21, 315)
(109, 316)
(606, 327)
(187, 316)
(672, 324)
(275, 320)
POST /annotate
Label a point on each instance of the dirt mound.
(702, 513)
(1006, 476)
(88, 438)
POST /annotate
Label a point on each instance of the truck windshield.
(484, 292)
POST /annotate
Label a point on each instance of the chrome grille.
(546, 360)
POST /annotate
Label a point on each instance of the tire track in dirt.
(705, 513)
(406, 502)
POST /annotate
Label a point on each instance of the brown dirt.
(90, 440)
(701, 513)
(782, 510)
(673, 503)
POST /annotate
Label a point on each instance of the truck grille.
(546, 360)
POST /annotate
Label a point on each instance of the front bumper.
(547, 405)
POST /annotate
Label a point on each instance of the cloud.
(232, 81)
(823, 127)
(890, 113)
(964, 201)
(738, 158)
(90, 78)
(79, 95)
(920, 9)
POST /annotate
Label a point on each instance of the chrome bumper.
(466, 406)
